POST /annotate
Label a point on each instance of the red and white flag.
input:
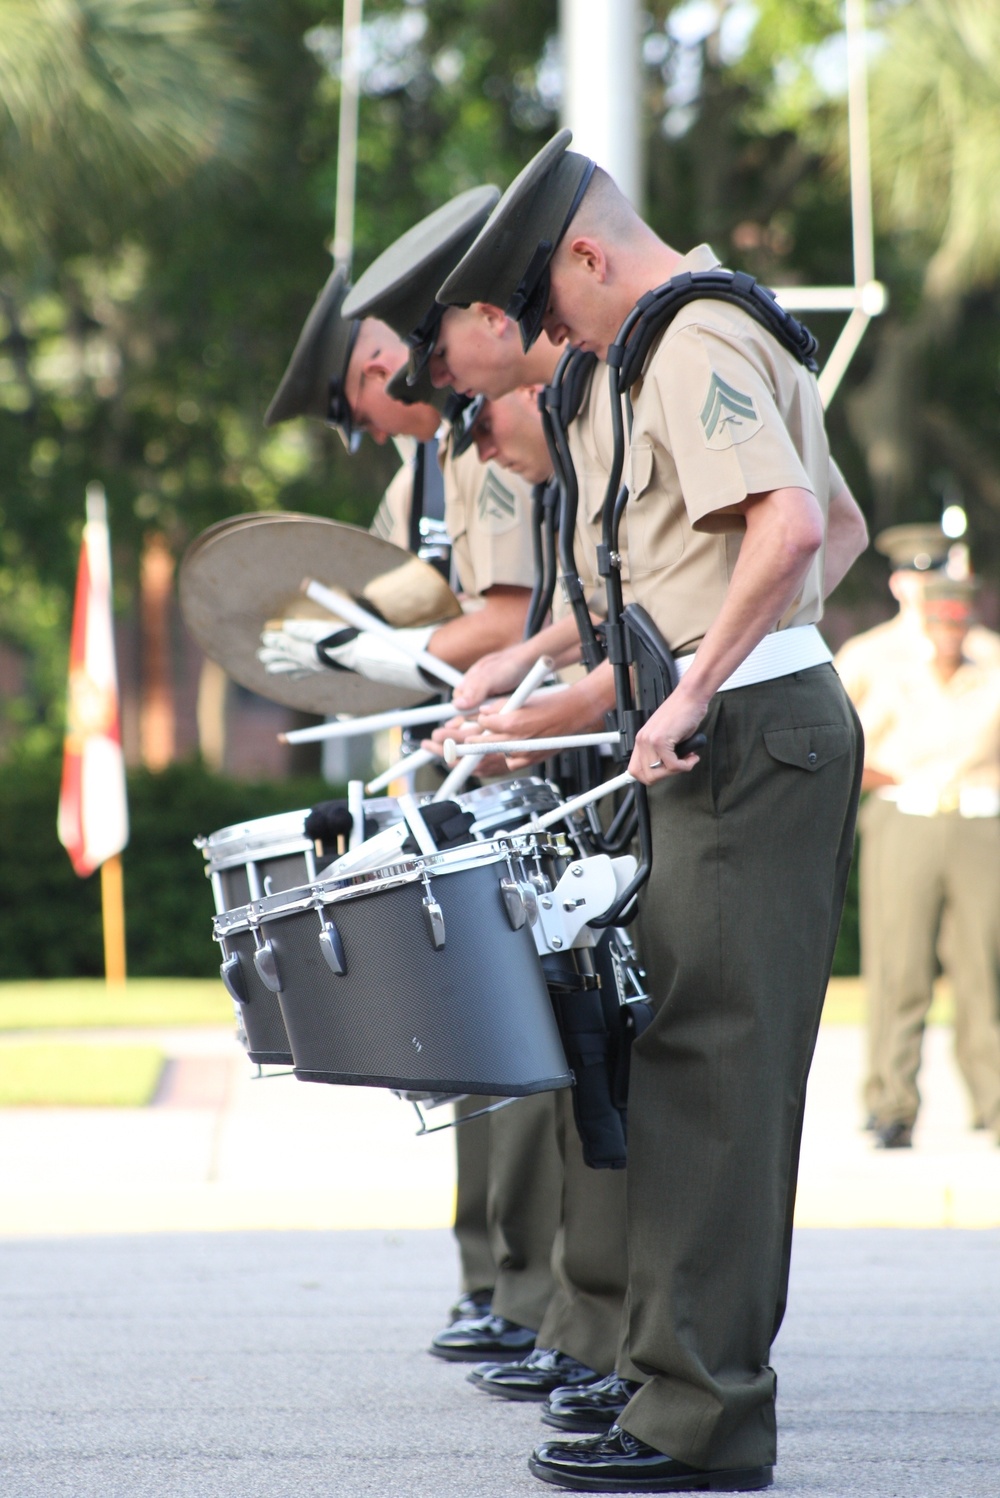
(93, 812)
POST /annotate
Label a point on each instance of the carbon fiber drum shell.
(261, 1013)
(472, 1016)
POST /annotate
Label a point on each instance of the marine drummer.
(739, 526)
(577, 1328)
(485, 512)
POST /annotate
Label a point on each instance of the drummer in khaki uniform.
(933, 754)
(496, 574)
(738, 527)
(868, 665)
(580, 1332)
(577, 1326)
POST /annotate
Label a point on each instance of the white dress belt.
(778, 654)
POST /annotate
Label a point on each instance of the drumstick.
(405, 766)
(576, 803)
(401, 717)
(414, 820)
(453, 751)
(352, 613)
(356, 807)
(463, 772)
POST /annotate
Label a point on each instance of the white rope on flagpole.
(347, 135)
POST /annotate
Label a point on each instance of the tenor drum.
(420, 976)
(246, 863)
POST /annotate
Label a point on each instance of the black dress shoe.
(593, 1407)
(618, 1463)
(534, 1377)
(894, 1136)
(470, 1307)
(489, 1337)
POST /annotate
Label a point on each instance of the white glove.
(379, 659)
(292, 651)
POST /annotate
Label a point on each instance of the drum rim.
(410, 869)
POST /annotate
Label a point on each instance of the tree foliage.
(167, 180)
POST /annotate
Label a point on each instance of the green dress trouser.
(933, 868)
(590, 1256)
(524, 1206)
(472, 1150)
(738, 927)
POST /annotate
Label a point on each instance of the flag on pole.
(93, 813)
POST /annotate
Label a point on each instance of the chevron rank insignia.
(728, 416)
(497, 505)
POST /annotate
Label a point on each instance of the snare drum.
(246, 863)
(419, 976)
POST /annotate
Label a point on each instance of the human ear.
(495, 318)
(589, 256)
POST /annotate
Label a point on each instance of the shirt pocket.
(808, 748)
(655, 513)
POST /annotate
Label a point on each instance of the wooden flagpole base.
(113, 916)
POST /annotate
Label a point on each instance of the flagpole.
(92, 821)
(113, 920)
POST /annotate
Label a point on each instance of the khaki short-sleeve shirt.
(871, 665)
(487, 513)
(722, 411)
(591, 445)
(392, 518)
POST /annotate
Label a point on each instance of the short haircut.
(605, 212)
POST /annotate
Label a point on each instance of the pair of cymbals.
(247, 571)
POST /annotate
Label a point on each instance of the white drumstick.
(405, 766)
(577, 803)
(352, 613)
(453, 751)
(464, 771)
(417, 825)
(356, 807)
(402, 717)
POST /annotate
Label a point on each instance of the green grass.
(87, 1003)
(49, 1075)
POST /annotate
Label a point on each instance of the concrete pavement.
(291, 1365)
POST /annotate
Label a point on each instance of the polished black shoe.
(487, 1338)
(471, 1307)
(533, 1377)
(894, 1136)
(618, 1463)
(592, 1407)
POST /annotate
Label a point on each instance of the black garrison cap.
(399, 287)
(508, 264)
(313, 383)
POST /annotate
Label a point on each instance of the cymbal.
(245, 572)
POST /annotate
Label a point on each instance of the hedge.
(50, 921)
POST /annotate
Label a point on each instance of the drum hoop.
(256, 854)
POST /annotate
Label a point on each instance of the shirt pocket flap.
(808, 748)
(640, 468)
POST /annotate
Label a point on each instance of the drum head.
(244, 572)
